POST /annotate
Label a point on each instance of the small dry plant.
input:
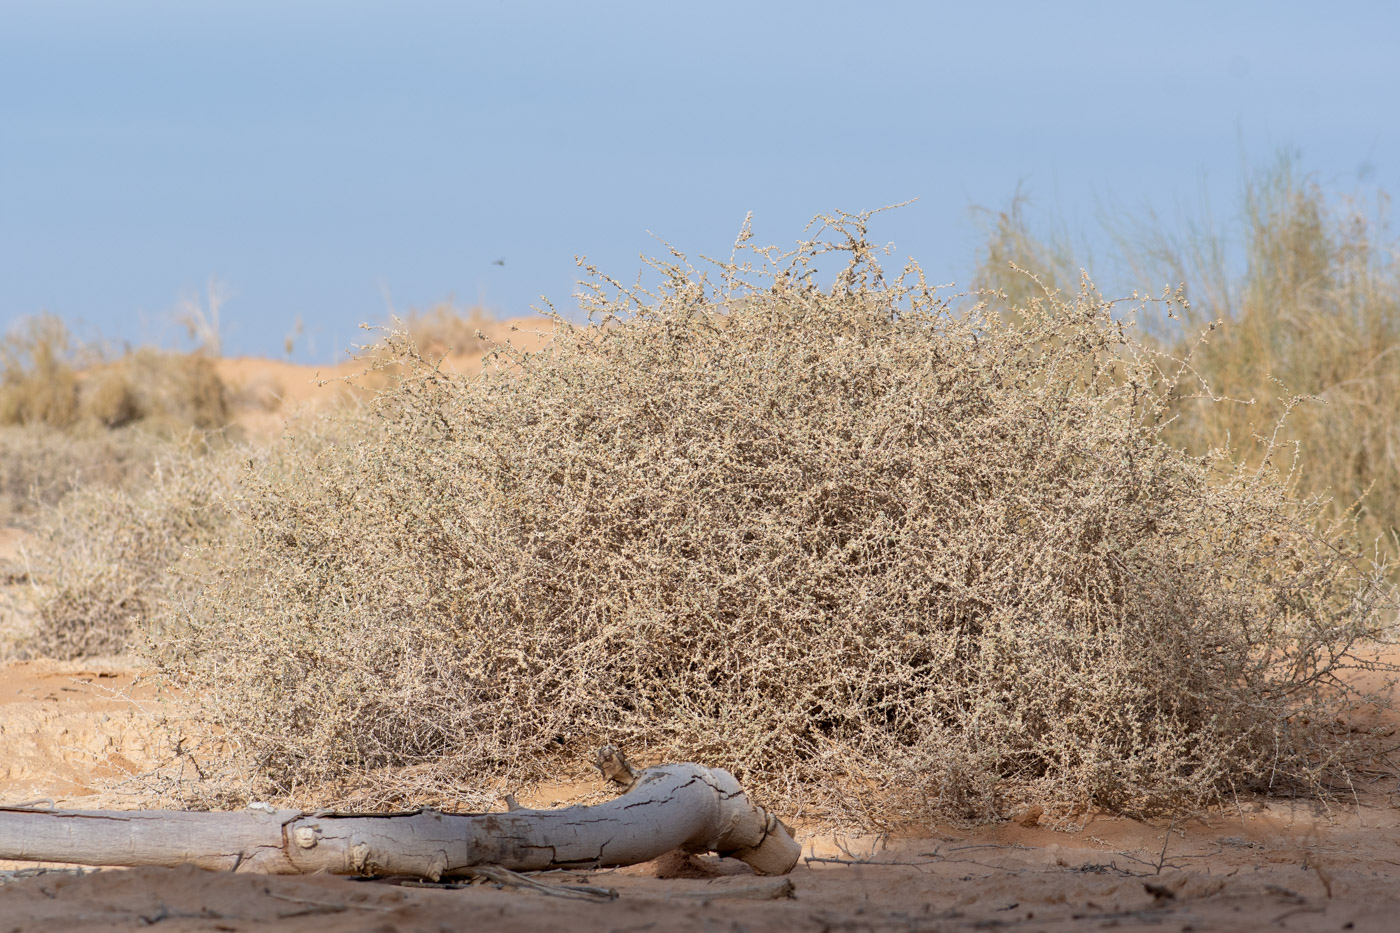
(881, 559)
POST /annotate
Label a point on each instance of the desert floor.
(82, 735)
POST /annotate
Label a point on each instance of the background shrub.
(107, 554)
(48, 378)
(877, 557)
(170, 393)
(38, 384)
(41, 464)
(445, 329)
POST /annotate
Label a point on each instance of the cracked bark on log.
(681, 806)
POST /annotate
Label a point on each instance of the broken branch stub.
(681, 806)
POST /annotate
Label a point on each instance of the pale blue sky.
(321, 158)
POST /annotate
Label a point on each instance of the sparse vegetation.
(878, 557)
(114, 464)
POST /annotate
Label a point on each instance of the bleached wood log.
(681, 806)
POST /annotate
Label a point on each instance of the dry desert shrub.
(445, 329)
(38, 384)
(169, 393)
(106, 554)
(442, 331)
(1017, 262)
(879, 558)
(39, 465)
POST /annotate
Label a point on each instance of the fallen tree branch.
(681, 806)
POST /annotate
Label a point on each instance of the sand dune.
(266, 391)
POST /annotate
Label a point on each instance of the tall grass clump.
(48, 378)
(38, 383)
(1300, 314)
(1312, 328)
(881, 559)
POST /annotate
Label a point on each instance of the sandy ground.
(82, 734)
(87, 735)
